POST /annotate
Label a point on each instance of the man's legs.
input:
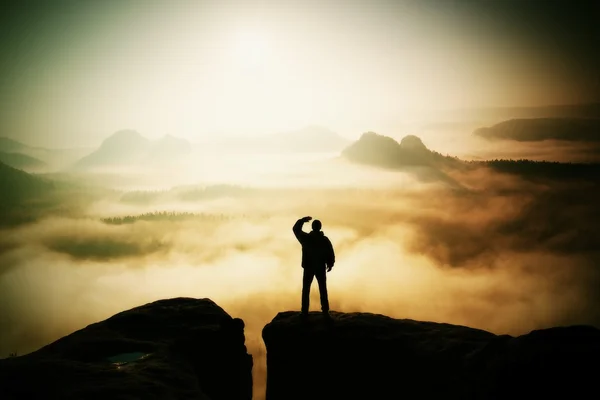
(322, 281)
(307, 279)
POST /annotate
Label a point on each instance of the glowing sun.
(251, 49)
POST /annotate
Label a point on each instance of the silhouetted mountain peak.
(129, 147)
(413, 143)
(409, 143)
(125, 137)
(383, 151)
(370, 135)
(376, 142)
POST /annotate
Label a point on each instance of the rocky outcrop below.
(180, 348)
(370, 356)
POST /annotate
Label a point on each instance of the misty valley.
(502, 245)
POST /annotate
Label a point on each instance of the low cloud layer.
(503, 255)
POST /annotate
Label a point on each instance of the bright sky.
(73, 72)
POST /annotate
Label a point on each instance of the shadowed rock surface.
(370, 356)
(180, 348)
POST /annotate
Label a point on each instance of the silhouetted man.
(317, 258)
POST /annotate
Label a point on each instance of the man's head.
(316, 225)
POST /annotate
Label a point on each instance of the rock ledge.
(371, 356)
(179, 348)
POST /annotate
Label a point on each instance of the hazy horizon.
(75, 71)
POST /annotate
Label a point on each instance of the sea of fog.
(499, 252)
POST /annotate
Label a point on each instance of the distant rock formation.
(130, 148)
(369, 356)
(410, 155)
(123, 147)
(383, 151)
(178, 348)
(414, 144)
(538, 129)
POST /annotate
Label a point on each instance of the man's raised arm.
(300, 234)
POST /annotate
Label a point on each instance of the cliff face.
(369, 356)
(178, 348)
